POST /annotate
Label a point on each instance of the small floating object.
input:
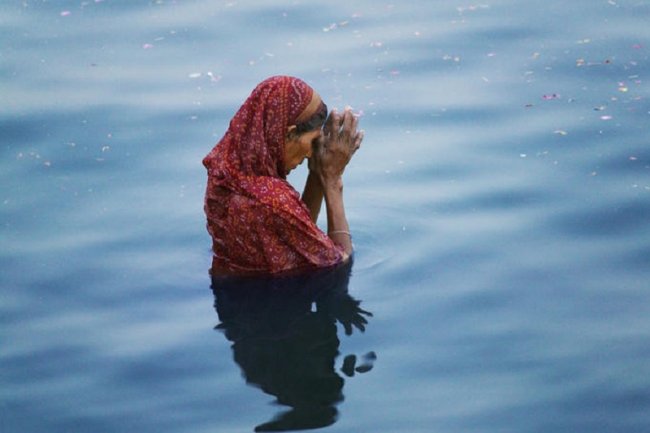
(213, 78)
(605, 117)
(65, 13)
(551, 96)
(147, 46)
(560, 132)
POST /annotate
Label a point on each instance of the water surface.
(499, 207)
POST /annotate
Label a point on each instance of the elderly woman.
(258, 222)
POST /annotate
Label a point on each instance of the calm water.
(500, 206)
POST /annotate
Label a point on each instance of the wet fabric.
(256, 219)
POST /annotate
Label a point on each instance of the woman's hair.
(315, 121)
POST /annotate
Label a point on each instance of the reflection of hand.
(340, 141)
(350, 314)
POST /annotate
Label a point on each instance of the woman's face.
(297, 147)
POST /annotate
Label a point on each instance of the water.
(499, 206)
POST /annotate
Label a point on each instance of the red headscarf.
(257, 220)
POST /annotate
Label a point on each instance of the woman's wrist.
(332, 183)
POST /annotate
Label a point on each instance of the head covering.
(257, 220)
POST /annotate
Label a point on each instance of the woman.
(258, 222)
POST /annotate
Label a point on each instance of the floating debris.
(195, 75)
(471, 8)
(560, 132)
(65, 13)
(213, 78)
(147, 46)
(551, 96)
(605, 117)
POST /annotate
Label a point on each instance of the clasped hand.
(339, 142)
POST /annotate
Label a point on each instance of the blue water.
(500, 209)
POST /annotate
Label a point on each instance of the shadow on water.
(285, 340)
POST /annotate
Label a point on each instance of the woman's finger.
(358, 139)
(348, 118)
(355, 123)
(331, 124)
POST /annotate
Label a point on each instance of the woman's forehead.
(311, 108)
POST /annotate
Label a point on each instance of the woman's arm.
(337, 224)
(341, 140)
(313, 195)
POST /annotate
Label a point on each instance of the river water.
(500, 210)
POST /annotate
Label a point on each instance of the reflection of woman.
(286, 347)
(258, 222)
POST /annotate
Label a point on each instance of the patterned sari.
(258, 223)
